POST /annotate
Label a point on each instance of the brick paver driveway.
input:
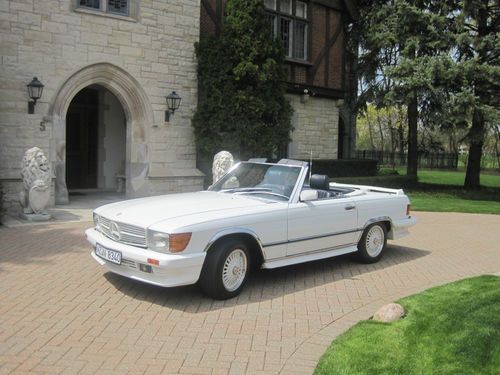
(61, 313)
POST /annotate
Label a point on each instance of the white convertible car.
(258, 215)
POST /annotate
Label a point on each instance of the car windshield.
(262, 180)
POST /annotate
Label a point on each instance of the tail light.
(408, 210)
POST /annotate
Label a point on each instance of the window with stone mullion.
(94, 4)
(300, 42)
(286, 35)
(120, 7)
(289, 23)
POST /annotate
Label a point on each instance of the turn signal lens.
(179, 241)
(155, 262)
(408, 210)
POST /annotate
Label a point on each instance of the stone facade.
(315, 122)
(140, 59)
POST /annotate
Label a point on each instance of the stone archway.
(138, 113)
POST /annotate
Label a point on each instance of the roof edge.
(353, 8)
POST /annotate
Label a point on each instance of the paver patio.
(61, 313)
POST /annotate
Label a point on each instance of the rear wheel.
(372, 243)
(226, 269)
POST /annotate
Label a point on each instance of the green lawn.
(452, 329)
(455, 201)
(452, 178)
(441, 191)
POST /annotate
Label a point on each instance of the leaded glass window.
(299, 42)
(301, 9)
(285, 34)
(118, 6)
(270, 4)
(289, 23)
(95, 4)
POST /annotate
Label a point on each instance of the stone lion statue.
(223, 161)
(36, 182)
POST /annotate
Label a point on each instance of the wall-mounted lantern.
(304, 98)
(35, 89)
(173, 103)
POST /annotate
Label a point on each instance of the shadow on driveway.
(265, 285)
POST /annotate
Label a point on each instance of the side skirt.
(310, 256)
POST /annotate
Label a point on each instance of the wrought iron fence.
(396, 159)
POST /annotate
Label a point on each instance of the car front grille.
(121, 232)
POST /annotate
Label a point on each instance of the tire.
(372, 244)
(226, 269)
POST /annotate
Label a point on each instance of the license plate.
(109, 255)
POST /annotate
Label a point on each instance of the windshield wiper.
(265, 191)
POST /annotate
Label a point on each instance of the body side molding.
(311, 238)
(310, 256)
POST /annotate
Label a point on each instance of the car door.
(321, 224)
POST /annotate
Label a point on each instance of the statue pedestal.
(35, 217)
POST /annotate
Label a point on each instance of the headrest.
(319, 181)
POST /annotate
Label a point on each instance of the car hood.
(145, 212)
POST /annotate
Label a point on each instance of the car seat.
(321, 183)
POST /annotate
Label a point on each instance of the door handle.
(350, 207)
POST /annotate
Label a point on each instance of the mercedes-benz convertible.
(259, 215)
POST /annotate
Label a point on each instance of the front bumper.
(172, 270)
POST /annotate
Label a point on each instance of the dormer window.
(289, 23)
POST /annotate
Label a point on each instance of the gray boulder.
(389, 313)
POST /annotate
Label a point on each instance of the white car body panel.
(285, 232)
(321, 224)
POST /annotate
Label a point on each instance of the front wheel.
(225, 270)
(372, 243)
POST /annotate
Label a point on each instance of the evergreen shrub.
(242, 106)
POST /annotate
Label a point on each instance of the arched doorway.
(138, 116)
(95, 140)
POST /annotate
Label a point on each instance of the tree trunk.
(381, 132)
(497, 145)
(370, 131)
(476, 136)
(401, 131)
(412, 167)
(477, 131)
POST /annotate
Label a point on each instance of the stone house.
(107, 66)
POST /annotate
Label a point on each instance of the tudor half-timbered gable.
(313, 35)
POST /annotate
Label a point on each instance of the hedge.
(345, 167)
(388, 181)
(334, 168)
